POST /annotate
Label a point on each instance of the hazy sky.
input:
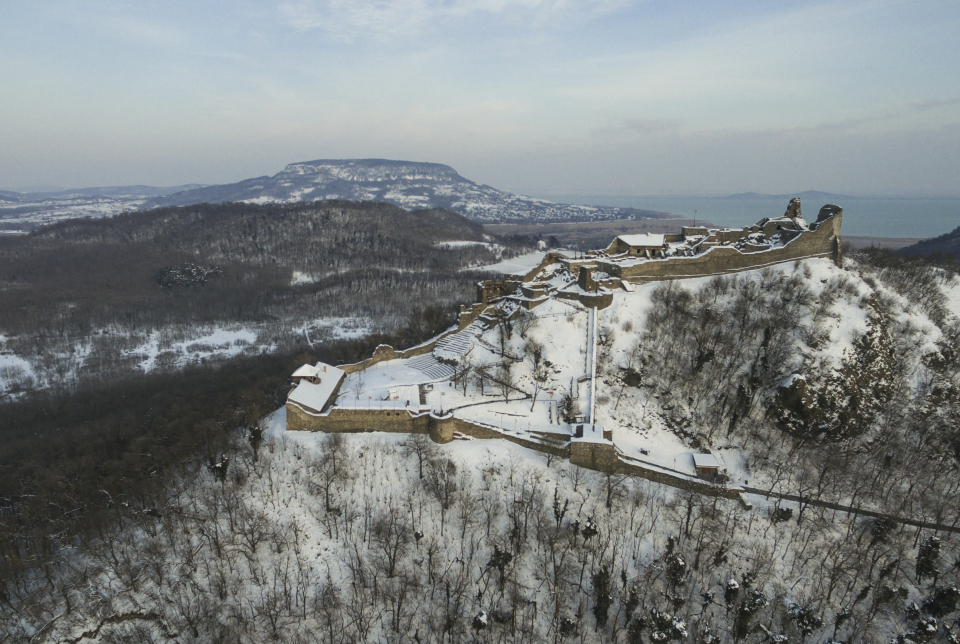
(536, 96)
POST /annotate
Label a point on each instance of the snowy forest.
(85, 302)
(188, 514)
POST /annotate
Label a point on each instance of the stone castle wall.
(594, 456)
(440, 429)
(337, 420)
(601, 457)
(664, 478)
(822, 242)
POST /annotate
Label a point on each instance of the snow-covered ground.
(220, 344)
(641, 431)
(517, 265)
(113, 351)
(387, 537)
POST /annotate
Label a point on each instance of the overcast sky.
(535, 96)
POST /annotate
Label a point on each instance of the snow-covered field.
(517, 265)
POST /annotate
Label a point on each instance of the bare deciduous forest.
(89, 301)
(161, 509)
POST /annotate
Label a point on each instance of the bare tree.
(462, 372)
(359, 383)
(332, 467)
(390, 536)
(525, 321)
(504, 379)
(540, 373)
(418, 445)
(441, 483)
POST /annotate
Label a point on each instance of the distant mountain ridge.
(408, 184)
(104, 191)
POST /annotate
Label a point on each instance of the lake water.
(861, 216)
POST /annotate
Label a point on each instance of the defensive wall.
(602, 457)
(442, 429)
(712, 252)
(718, 260)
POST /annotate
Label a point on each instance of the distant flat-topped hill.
(408, 184)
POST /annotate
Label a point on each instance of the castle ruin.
(588, 282)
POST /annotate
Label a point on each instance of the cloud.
(640, 126)
(934, 103)
(348, 19)
(223, 55)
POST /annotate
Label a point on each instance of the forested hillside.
(301, 537)
(93, 300)
(941, 248)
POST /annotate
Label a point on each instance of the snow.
(635, 529)
(218, 344)
(588, 433)
(306, 371)
(315, 396)
(952, 292)
(14, 369)
(466, 244)
(300, 277)
(705, 460)
(520, 265)
(643, 239)
(321, 329)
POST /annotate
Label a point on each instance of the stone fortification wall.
(595, 456)
(601, 457)
(440, 429)
(385, 352)
(550, 258)
(679, 482)
(336, 420)
(822, 242)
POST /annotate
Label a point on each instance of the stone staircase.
(454, 347)
(429, 366)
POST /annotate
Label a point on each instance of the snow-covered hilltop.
(638, 374)
(410, 185)
(407, 184)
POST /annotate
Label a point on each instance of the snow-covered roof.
(315, 396)
(645, 239)
(306, 371)
(705, 460)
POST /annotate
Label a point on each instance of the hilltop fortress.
(413, 390)
(696, 251)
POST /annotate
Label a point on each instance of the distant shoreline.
(892, 243)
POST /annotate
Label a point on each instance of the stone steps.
(429, 366)
(454, 347)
